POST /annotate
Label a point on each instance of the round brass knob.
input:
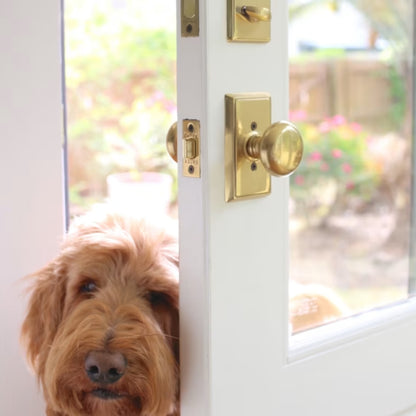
(280, 148)
(172, 141)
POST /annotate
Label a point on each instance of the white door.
(31, 180)
(237, 355)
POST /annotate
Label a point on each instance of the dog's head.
(102, 327)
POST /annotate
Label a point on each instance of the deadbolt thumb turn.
(255, 148)
(254, 14)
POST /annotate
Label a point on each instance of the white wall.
(31, 215)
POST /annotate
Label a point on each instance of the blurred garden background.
(120, 60)
(351, 95)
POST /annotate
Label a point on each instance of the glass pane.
(120, 66)
(351, 84)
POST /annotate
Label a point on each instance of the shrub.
(336, 168)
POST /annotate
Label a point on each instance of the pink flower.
(158, 95)
(325, 127)
(324, 167)
(350, 185)
(337, 153)
(297, 115)
(299, 180)
(370, 140)
(346, 167)
(338, 120)
(170, 107)
(315, 156)
(356, 128)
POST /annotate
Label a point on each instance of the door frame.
(31, 176)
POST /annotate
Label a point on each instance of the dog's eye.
(88, 287)
(156, 297)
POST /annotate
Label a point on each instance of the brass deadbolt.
(248, 20)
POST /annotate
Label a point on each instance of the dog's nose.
(105, 367)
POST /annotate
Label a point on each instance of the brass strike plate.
(243, 28)
(190, 18)
(191, 141)
(244, 113)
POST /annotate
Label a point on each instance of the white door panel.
(31, 200)
(234, 267)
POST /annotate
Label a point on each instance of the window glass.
(351, 95)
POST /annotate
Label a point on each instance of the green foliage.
(399, 96)
(121, 97)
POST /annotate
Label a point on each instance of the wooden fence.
(360, 90)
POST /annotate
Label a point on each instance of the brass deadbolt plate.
(244, 113)
(189, 18)
(248, 21)
(191, 164)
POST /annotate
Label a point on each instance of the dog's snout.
(105, 367)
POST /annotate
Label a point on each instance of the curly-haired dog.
(102, 327)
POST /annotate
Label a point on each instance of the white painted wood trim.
(31, 197)
(224, 292)
(350, 330)
(194, 302)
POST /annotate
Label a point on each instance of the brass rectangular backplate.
(245, 178)
(191, 141)
(189, 18)
(241, 30)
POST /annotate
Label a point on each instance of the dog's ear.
(44, 314)
(165, 305)
(170, 252)
(164, 296)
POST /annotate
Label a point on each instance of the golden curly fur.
(112, 292)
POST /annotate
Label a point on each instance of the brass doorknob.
(280, 148)
(172, 141)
